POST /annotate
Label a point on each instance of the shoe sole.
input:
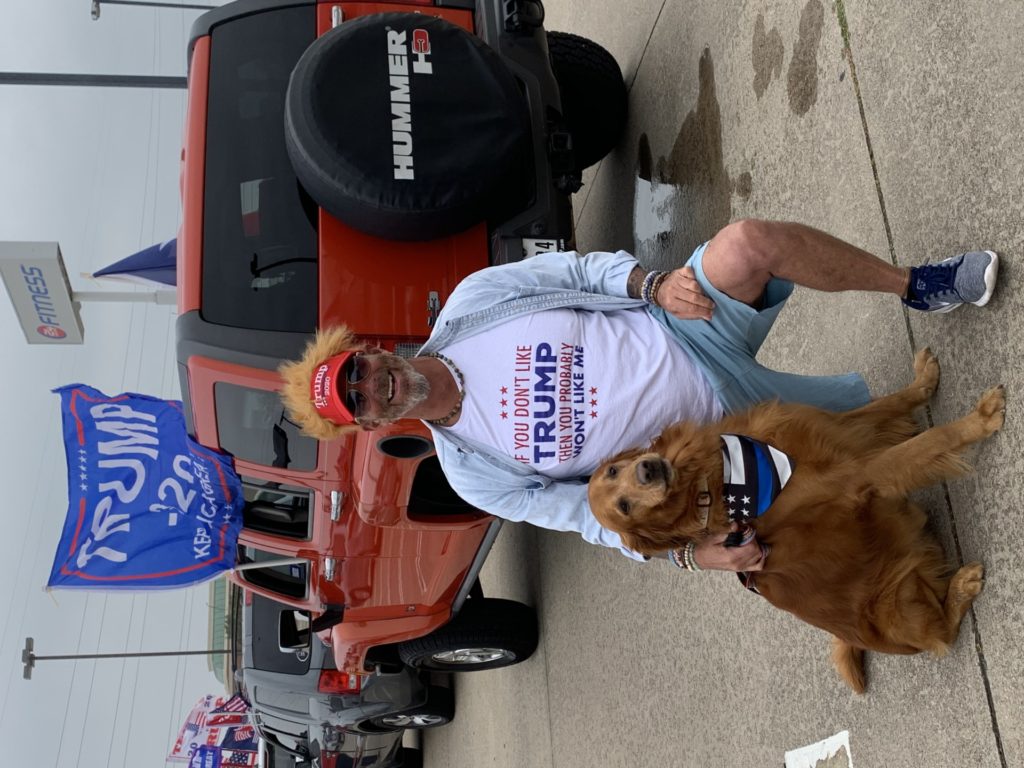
(991, 272)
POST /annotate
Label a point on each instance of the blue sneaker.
(968, 278)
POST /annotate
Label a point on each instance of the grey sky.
(97, 171)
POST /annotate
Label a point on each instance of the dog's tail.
(849, 663)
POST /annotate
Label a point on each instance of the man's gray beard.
(413, 383)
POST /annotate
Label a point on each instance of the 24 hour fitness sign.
(38, 285)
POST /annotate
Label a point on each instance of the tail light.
(335, 681)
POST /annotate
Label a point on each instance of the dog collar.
(703, 501)
(754, 473)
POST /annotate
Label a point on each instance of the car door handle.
(433, 308)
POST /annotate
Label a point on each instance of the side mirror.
(293, 635)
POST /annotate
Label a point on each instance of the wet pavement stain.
(696, 164)
(644, 162)
(743, 185)
(766, 55)
(802, 78)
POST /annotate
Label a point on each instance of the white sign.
(833, 752)
(41, 293)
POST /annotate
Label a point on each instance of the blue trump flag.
(149, 507)
(156, 264)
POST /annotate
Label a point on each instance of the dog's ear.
(627, 455)
(688, 447)
(651, 542)
(676, 439)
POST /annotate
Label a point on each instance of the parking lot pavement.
(894, 126)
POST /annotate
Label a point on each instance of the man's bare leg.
(745, 255)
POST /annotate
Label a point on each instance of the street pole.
(134, 297)
(29, 657)
(116, 81)
(119, 81)
(96, 5)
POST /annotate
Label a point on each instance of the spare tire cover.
(406, 127)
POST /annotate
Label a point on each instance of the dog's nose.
(649, 470)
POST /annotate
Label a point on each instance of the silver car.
(310, 714)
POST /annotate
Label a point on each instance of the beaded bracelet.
(675, 555)
(656, 286)
(683, 557)
(652, 282)
(645, 288)
(688, 554)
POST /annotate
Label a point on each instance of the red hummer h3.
(349, 163)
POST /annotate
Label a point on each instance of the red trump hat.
(328, 389)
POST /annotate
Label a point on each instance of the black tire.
(411, 758)
(463, 123)
(439, 710)
(487, 634)
(594, 98)
(476, 592)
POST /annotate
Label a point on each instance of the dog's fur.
(849, 552)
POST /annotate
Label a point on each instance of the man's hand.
(681, 294)
(712, 555)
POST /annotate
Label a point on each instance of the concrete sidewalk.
(895, 126)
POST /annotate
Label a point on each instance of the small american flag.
(235, 704)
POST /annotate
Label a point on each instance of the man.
(538, 370)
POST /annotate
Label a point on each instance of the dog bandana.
(755, 473)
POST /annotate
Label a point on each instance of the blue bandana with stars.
(754, 474)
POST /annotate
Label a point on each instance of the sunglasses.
(353, 371)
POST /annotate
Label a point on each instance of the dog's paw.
(992, 409)
(926, 371)
(968, 581)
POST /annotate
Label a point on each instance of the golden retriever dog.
(849, 553)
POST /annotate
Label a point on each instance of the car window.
(276, 508)
(259, 227)
(252, 425)
(286, 580)
(266, 652)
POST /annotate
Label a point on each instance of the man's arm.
(677, 292)
(563, 506)
(555, 505)
(600, 272)
(711, 554)
(635, 281)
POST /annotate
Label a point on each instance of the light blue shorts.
(726, 347)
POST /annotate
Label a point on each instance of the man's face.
(382, 387)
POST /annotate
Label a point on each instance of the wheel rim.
(468, 657)
(413, 721)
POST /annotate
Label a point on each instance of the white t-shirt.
(563, 389)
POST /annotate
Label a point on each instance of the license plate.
(534, 245)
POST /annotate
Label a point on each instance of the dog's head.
(650, 497)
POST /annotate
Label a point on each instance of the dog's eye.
(624, 506)
(612, 471)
